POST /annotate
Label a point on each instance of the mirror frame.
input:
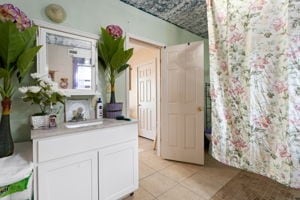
(42, 67)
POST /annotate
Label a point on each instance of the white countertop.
(63, 130)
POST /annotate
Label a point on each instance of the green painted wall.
(89, 16)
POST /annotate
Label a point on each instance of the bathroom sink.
(82, 124)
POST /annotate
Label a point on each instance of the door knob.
(199, 109)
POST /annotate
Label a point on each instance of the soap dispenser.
(99, 109)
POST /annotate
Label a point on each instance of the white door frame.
(158, 80)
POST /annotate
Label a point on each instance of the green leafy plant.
(17, 51)
(112, 55)
(17, 47)
(44, 93)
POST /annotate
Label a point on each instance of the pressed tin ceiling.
(187, 14)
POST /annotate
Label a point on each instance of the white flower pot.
(40, 122)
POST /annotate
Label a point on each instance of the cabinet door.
(74, 177)
(70, 59)
(118, 170)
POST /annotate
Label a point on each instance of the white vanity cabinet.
(90, 163)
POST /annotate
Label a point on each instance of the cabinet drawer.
(61, 146)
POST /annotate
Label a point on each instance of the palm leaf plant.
(113, 56)
(17, 51)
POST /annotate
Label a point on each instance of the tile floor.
(168, 180)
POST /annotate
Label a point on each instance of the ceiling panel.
(187, 14)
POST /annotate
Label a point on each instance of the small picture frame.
(52, 121)
(77, 110)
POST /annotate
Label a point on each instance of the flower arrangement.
(44, 93)
(112, 55)
(115, 31)
(17, 51)
(8, 12)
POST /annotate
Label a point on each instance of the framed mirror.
(70, 59)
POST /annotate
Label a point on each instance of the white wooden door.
(74, 177)
(146, 76)
(182, 131)
(118, 170)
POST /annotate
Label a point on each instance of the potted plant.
(44, 93)
(113, 58)
(17, 51)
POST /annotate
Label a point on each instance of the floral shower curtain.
(255, 86)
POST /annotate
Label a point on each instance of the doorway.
(144, 87)
(174, 119)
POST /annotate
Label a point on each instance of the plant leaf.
(4, 73)
(112, 55)
(25, 61)
(120, 58)
(16, 54)
(13, 42)
(122, 68)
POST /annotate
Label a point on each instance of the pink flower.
(239, 143)
(215, 141)
(232, 27)
(238, 90)
(292, 54)
(282, 150)
(295, 122)
(213, 94)
(114, 30)
(280, 87)
(264, 121)
(221, 17)
(224, 66)
(261, 62)
(295, 39)
(297, 107)
(278, 24)
(235, 38)
(236, 132)
(258, 5)
(235, 80)
(227, 115)
(8, 12)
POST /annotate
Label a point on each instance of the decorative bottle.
(99, 109)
